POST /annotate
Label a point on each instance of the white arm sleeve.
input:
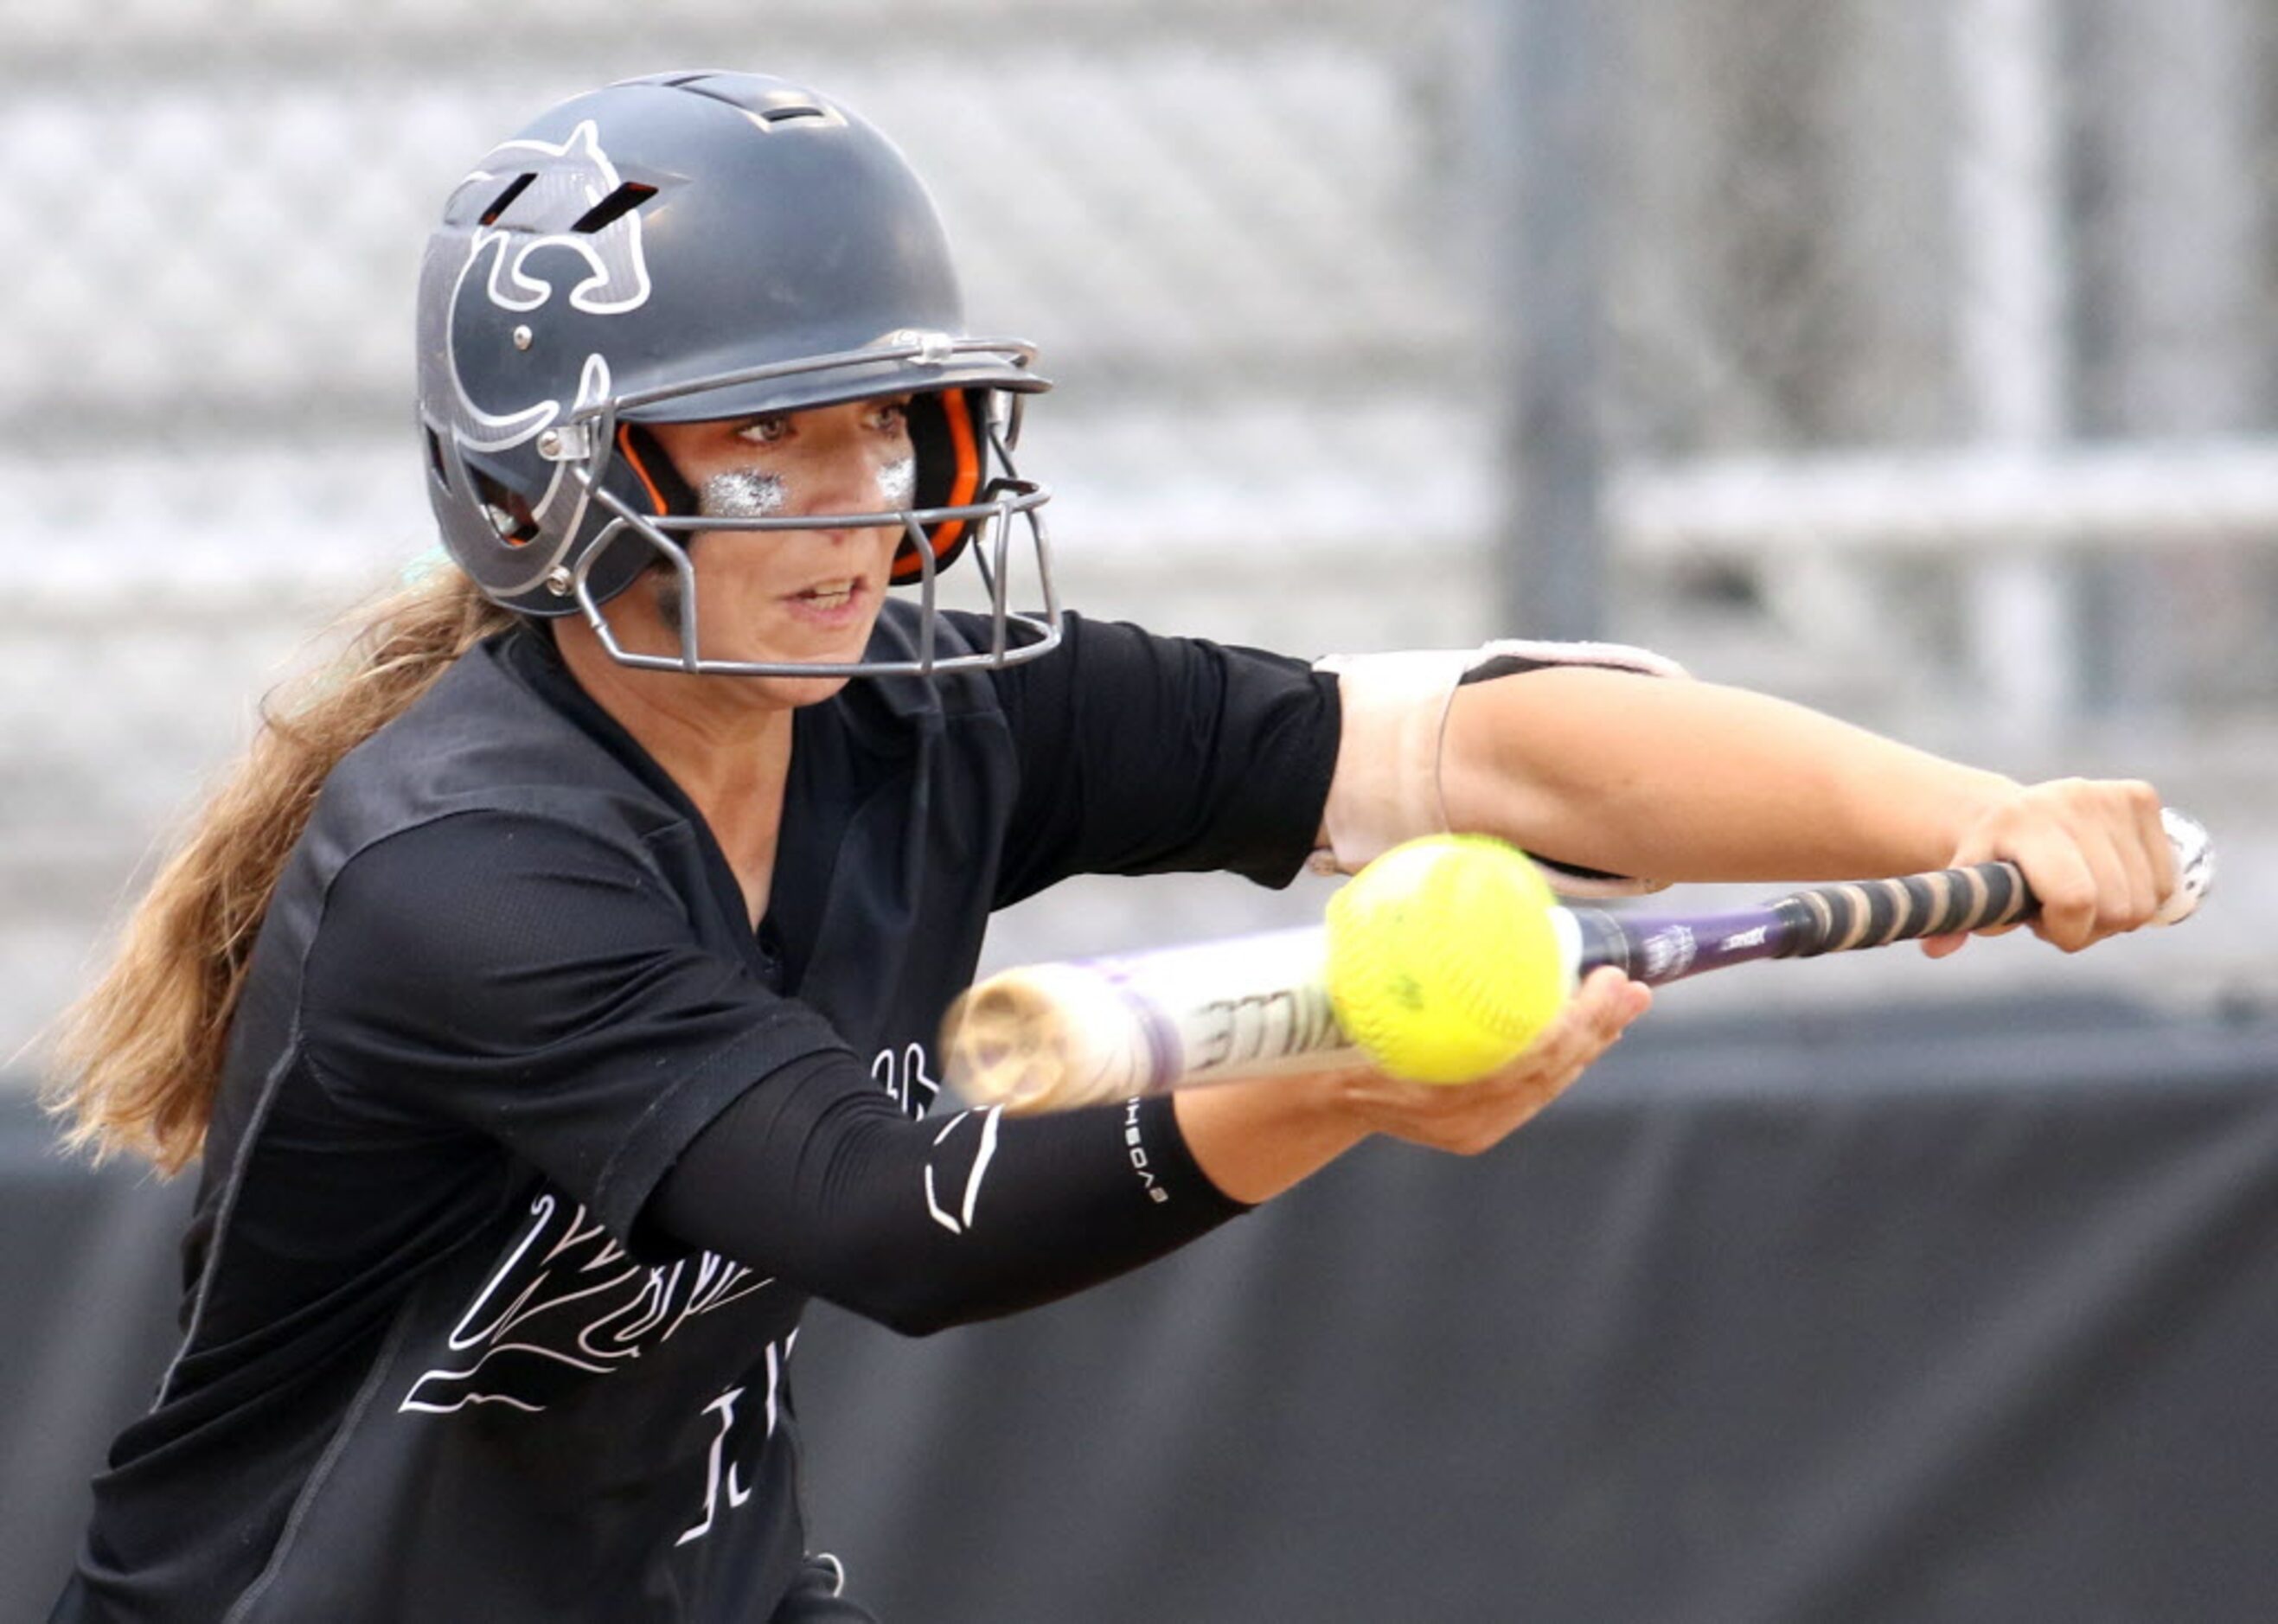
(1387, 788)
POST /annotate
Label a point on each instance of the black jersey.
(441, 1359)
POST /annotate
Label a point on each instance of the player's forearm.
(1254, 1139)
(1692, 780)
(815, 1177)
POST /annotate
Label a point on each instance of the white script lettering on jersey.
(724, 1487)
(903, 1073)
(568, 1304)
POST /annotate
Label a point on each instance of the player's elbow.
(911, 1310)
(918, 1325)
(919, 1301)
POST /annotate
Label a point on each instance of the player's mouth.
(831, 603)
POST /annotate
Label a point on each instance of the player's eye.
(891, 414)
(765, 431)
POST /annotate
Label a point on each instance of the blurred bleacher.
(1934, 388)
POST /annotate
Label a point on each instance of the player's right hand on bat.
(1469, 1117)
(2093, 850)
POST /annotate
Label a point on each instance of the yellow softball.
(1444, 961)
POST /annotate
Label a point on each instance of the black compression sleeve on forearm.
(816, 1177)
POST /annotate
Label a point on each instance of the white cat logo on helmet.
(579, 203)
(535, 197)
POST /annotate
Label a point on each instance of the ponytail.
(138, 1057)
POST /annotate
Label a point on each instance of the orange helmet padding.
(949, 476)
(631, 446)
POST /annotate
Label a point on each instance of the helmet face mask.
(690, 247)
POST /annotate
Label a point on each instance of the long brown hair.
(138, 1056)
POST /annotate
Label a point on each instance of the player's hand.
(1469, 1117)
(2093, 850)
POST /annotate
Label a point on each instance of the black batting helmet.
(689, 247)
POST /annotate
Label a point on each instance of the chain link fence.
(1929, 377)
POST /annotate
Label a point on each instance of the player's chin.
(795, 639)
(794, 692)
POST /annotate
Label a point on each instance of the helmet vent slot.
(435, 460)
(508, 511)
(764, 100)
(628, 196)
(504, 201)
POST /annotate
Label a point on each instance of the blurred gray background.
(1910, 358)
(1914, 361)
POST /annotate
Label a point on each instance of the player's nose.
(852, 481)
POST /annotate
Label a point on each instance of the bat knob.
(2194, 852)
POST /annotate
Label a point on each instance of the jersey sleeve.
(816, 1178)
(1141, 754)
(541, 985)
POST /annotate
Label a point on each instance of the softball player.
(549, 999)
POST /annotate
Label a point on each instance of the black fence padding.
(1951, 1314)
